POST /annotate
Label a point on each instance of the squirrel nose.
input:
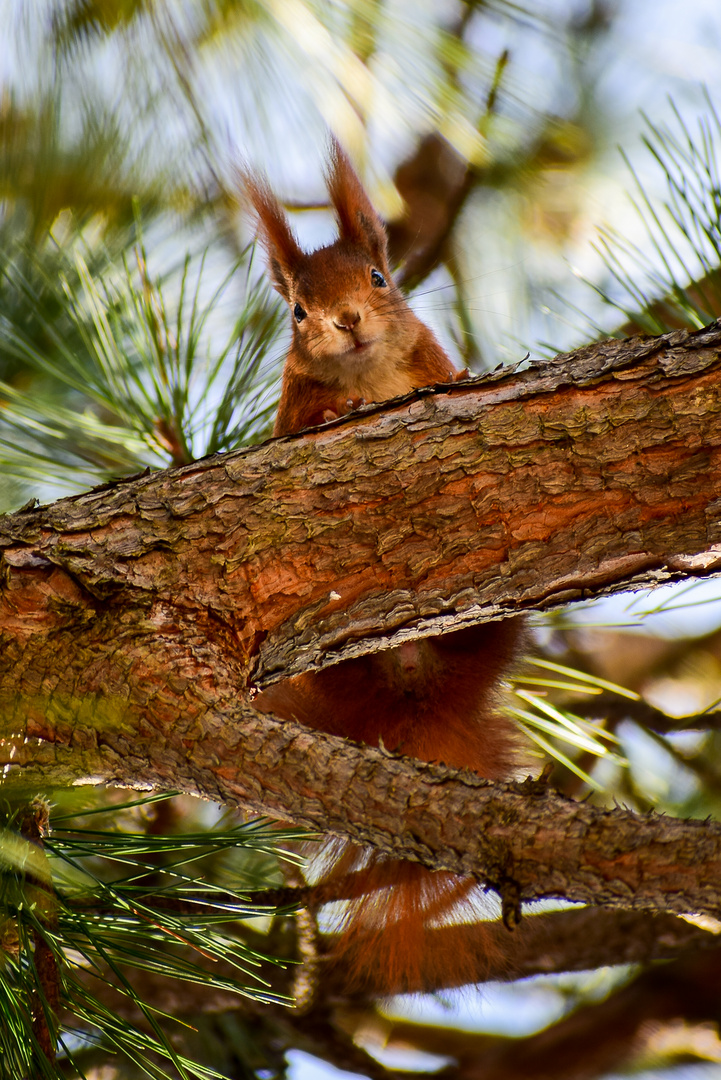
(347, 320)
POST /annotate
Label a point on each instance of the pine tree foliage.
(143, 382)
(98, 898)
(671, 279)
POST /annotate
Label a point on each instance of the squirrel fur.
(356, 340)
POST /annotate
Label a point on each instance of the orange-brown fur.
(432, 698)
(359, 342)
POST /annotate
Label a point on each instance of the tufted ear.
(357, 220)
(284, 253)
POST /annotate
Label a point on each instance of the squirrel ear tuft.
(358, 222)
(284, 253)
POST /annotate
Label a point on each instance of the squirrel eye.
(299, 313)
(378, 279)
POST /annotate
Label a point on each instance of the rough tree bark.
(133, 619)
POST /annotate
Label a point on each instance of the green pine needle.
(111, 905)
(134, 375)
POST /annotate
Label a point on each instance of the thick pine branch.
(573, 478)
(133, 617)
(578, 939)
(596, 1040)
(525, 841)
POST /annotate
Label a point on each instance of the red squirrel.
(356, 340)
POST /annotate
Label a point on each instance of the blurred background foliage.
(137, 331)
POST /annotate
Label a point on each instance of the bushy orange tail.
(432, 699)
(390, 913)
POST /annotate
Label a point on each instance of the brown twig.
(45, 999)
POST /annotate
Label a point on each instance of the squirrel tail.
(434, 699)
(391, 912)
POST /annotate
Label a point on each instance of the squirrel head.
(345, 306)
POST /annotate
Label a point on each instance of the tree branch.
(132, 617)
(614, 708)
(598, 1039)
(576, 477)
(556, 942)
(521, 839)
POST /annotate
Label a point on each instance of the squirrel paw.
(342, 408)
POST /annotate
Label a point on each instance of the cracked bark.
(134, 618)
